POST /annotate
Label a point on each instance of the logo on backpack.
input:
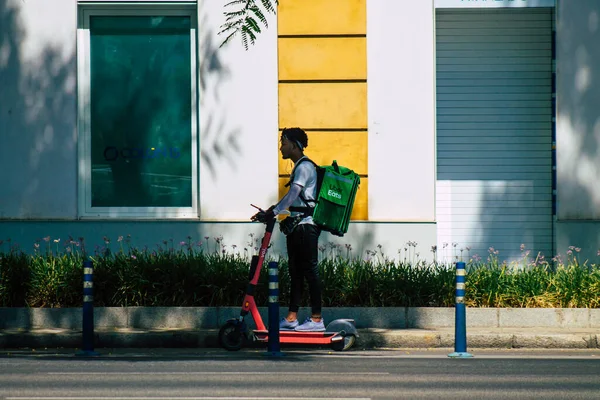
(332, 193)
(335, 191)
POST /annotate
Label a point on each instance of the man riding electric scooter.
(302, 234)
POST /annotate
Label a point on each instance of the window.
(137, 111)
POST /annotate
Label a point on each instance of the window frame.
(85, 11)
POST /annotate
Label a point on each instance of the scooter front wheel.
(231, 336)
(346, 343)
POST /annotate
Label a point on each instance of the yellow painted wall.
(306, 17)
(323, 105)
(322, 58)
(324, 147)
(323, 84)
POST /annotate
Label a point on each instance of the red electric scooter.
(339, 334)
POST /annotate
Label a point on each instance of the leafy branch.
(245, 17)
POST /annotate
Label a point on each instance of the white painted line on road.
(185, 398)
(216, 373)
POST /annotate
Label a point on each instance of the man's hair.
(296, 135)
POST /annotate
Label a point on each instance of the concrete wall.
(578, 126)
(238, 162)
(38, 114)
(362, 236)
(38, 132)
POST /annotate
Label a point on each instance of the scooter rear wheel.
(345, 344)
(231, 336)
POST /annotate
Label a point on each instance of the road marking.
(216, 373)
(185, 398)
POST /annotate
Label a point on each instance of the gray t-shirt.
(303, 181)
(304, 174)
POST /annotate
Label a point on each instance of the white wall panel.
(578, 127)
(400, 80)
(38, 114)
(238, 119)
(578, 117)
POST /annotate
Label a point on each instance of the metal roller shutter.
(494, 132)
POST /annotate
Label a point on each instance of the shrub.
(192, 274)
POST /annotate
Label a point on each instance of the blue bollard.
(273, 345)
(88, 310)
(460, 320)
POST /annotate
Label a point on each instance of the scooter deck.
(297, 337)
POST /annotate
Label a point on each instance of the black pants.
(303, 254)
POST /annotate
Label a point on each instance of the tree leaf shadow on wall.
(577, 138)
(220, 133)
(578, 113)
(37, 123)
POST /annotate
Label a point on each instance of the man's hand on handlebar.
(263, 216)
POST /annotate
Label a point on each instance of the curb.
(385, 327)
(368, 339)
(478, 340)
(197, 318)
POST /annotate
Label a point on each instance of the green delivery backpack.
(336, 191)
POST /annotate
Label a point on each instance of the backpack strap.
(308, 210)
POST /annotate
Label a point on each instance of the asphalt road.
(298, 374)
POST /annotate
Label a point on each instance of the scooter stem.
(248, 304)
(263, 250)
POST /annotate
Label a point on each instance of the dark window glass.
(141, 123)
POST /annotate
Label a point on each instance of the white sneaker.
(311, 326)
(286, 325)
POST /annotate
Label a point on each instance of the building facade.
(472, 123)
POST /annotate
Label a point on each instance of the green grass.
(195, 274)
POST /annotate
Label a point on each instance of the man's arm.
(288, 199)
